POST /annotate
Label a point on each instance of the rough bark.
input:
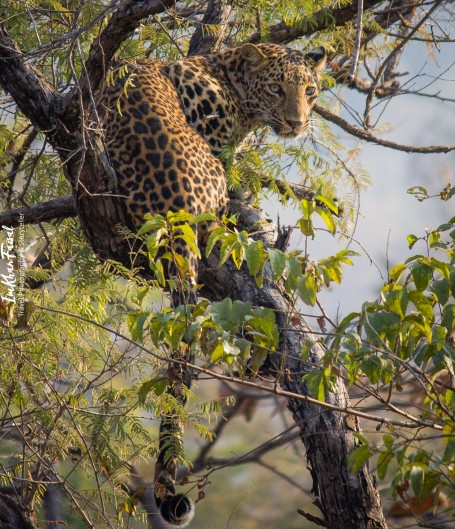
(203, 40)
(59, 208)
(26, 85)
(12, 516)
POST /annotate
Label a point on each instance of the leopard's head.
(281, 86)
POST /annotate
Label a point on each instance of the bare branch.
(59, 208)
(357, 43)
(396, 51)
(367, 136)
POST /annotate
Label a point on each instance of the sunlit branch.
(371, 138)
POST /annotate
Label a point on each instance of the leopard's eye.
(310, 90)
(275, 89)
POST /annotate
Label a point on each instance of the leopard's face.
(281, 86)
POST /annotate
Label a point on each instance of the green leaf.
(417, 478)
(327, 201)
(359, 457)
(188, 234)
(450, 398)
(307, 289)
(384, 459)
(449, 452)
(156, 222)
(227, 247)
(452, 282)
(396, 272)
(238, 255)
(438, 337)
(158, 270)
(306, 227)
(176, 218)
(136, 325)
(420, 324)
(222, 310)
(218, 353)
(157, 385)
(421, 273)
(204, 217)
(240, 311)
(388, 441)
(277, 261)
(315, 384)
(363, 440)
(258, 357)
(419, 192)
(422, 304)
(214, 236)
(441, 288)
(294, 270)
(384, 325)
(203, 431)
(396, 300)
(254, 257)
(141, 293)
(244, 347)
(306, 206)
(306, 350)
(412, 239)
(327, 217)
(372, 367)
(448, 317)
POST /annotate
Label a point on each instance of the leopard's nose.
(295, 123)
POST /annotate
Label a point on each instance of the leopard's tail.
(176, 509)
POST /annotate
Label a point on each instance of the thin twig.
(395, 51)
(358, 41)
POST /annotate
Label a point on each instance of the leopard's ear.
(252, 54)
(317, 59)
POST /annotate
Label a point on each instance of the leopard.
(166, 124)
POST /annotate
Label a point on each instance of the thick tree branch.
(120, 26)
(283, 33)
(27, 86)
(206, 39)
(64, 207)
(59, 208)
(367, 136)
